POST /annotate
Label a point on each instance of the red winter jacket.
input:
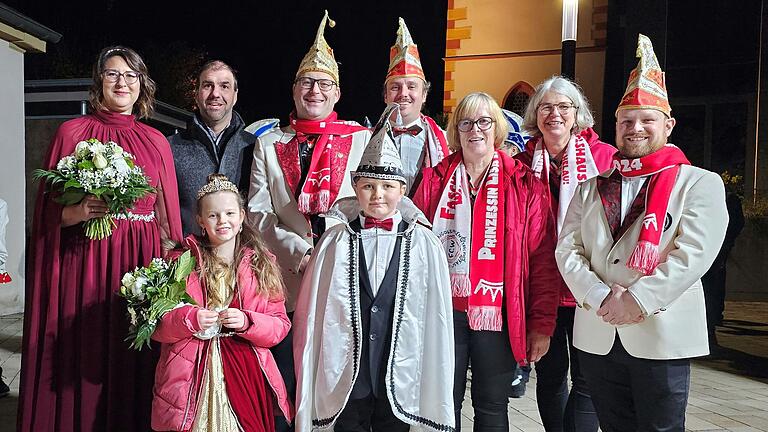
(174, 405)
(530, 272)
(603, 155)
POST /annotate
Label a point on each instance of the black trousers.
(560, 409)
(634, 394)
(493, 370)
(369, 414)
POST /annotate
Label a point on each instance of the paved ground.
(729, 390)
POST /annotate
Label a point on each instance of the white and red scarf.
(473, 239)
(577, 167)
(329, 160)
(437, 145)
(662, 166)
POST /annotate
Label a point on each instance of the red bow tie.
(413, 130)
(375, 223)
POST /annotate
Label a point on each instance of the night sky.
(263, 40)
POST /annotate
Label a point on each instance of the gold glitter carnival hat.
(404, 60)
(646, 87)
(320, 57)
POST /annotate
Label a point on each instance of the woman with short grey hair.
(563, 152)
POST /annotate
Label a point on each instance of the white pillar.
(12, 181)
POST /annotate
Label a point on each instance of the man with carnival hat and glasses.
(299, 171)
(420, 141)
(634, 244)
(379, 281)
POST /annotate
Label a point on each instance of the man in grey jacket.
(214, 142)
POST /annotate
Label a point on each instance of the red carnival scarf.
(329, 160)
(473, 238)
(662, 166)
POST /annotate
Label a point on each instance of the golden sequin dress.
(214, 412)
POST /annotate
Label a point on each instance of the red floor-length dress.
(77, 372)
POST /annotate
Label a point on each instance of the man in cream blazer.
(635, 270)
(298, 173)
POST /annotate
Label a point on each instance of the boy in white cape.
(373, 342)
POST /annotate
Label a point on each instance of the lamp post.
(568, 55)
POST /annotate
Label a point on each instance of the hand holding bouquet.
(105, 171)
(152, 291)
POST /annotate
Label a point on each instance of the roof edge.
(27, 25)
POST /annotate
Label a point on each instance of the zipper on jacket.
(189, 394)
(201, 278)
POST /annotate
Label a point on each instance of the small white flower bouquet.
(103, 170)
(152, 291)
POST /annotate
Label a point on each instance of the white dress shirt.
(378, 246)
(412, 149)
(630, 187)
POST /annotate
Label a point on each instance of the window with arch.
(517, 98)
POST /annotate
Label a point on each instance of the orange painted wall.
(519, 40)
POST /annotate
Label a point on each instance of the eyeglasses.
(113, 76)
(483, 123)
(562, 108)
(307, 83)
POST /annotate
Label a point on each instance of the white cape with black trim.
(327, 328)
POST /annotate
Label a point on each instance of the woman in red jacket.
(563, 152)
(491, 215)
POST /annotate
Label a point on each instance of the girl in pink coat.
(216, 372)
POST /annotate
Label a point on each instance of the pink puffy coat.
(177, 375)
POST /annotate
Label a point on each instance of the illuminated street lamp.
(568, 55)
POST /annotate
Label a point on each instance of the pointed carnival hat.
(381, 160)
(646, 87)
(404, 58)
(320, 57)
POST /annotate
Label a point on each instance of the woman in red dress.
(78, 373)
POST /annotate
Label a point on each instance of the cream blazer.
(274, 212)
(672, 296)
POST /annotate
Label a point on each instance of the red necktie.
(375, 223)
(413, 130)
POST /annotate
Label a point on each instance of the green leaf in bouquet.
(184, 266)
(86, 164)
(72, 184)
(72, 196)
(160, 307)
(143, 336)
(53, 177)
(38, 174)
(99, 192)
(175, 289)
(152, 291)
(179, 292)
(186, 298)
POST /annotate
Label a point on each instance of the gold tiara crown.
(217, 184)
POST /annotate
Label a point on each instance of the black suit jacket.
(376, 314)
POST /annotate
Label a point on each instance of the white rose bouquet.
(152, 291)
(102, 170)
